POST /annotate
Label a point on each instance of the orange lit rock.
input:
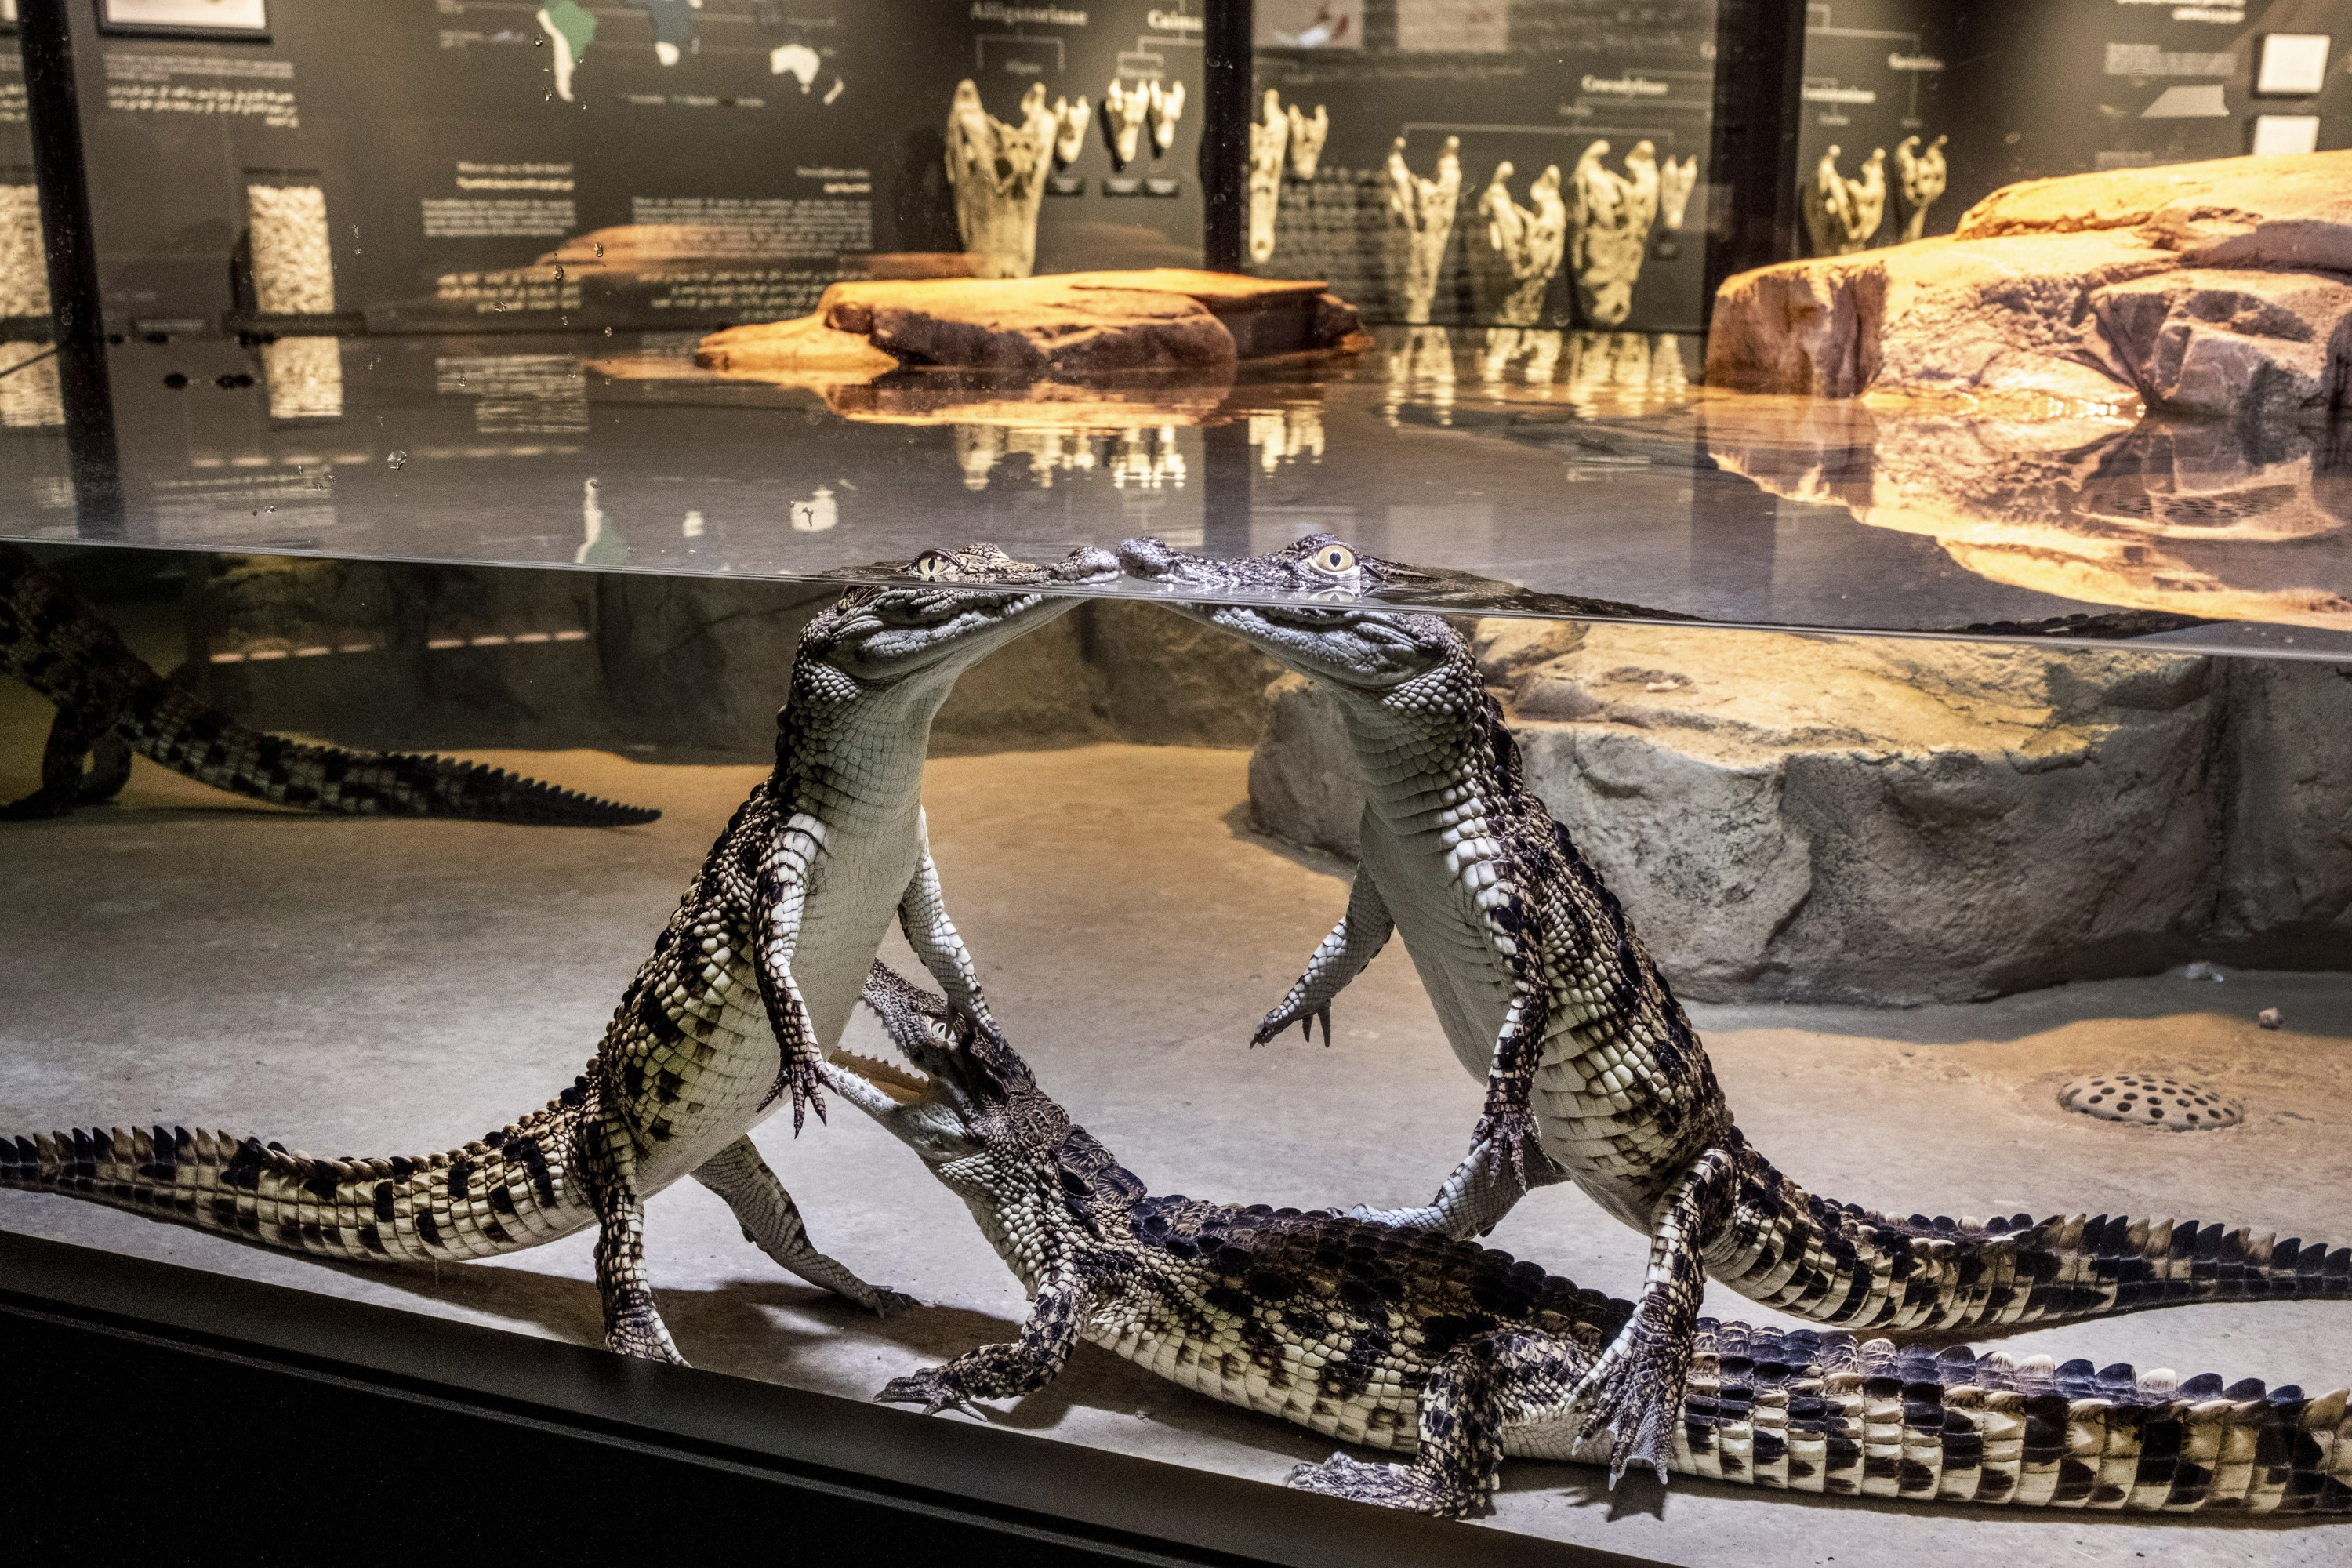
(1072, 324)
(2199, 288)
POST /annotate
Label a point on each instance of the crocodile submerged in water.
(111, 703)
(1593, 1073)
(749, 984)
(1409, 1340)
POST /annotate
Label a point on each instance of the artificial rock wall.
(1895, 821)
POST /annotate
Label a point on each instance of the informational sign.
(234, 17)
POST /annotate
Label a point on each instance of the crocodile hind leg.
(71, 737)
(771, 1222)
(1481, 1388)
(1007, 1371)
(1361, 932)
(633, 1326)
(1635, 1391)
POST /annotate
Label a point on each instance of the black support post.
(52, 118)
(1760, 65)
(1225, 133)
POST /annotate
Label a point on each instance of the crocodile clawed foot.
(889, 1303)
(803, 1076)
(640, 1340)
(932, 1389)
(38, 806)
(1633, 1394)
(1514, 1143)
(1281, 1018)
(1383, 1486)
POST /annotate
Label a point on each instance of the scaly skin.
(110, 703)
(747, 988)
(1593, 1074)
(1404, 1340)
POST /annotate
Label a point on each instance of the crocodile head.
(962, 604)
(1326, 630)
(974, 1112)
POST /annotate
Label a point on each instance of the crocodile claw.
(889, 1303)
(1281, 1019)
(1512, 1135)
(930, 1388)
(804, 1075)
(1632, 1394)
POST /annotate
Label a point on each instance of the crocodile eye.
(933, 565)
(1333, 596)
(1333, 560)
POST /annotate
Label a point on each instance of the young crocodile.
(110, 703)
(1408, 1341)
(1593, 1074)
(749, 985)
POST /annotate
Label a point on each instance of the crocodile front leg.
(778, 899)
(771, 1222)
(1007, 1371)
(633, 1326)
(1635, 1391)
(923, 916)
(1361, 932)
(1481, 1388)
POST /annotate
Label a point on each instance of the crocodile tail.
(176, 729)
(1838, 1263)
(1822, 1413)
(509, 1190)
(53, 642)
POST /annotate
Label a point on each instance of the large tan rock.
(1077, 325)
(2192, 288)
(1892, 821)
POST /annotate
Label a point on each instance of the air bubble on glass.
(396, 459)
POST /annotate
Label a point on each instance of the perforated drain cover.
(2144, 1100)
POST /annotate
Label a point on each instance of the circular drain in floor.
(2145, 1100)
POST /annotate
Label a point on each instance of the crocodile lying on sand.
(1593, 1074)
(1406, 1340)
(110, 703)
(750, 983)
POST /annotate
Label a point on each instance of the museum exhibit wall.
(451, 145)
(2030, 89)
(1534, 83)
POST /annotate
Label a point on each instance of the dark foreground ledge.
(154, 1406)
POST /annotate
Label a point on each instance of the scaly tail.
(175, 728)
(55, 644)
(511, 1189)
(1837, 1263)
(1820, 1413)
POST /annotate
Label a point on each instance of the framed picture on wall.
(2292, 65)
(186, 18)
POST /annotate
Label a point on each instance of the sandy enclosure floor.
(380, 987)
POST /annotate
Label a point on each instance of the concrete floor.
(375, 988)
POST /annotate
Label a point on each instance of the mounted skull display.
(1124, 109)
(1070, 123)
(998, 174)
(1165, 106)
(1919, 179)
(1611, 222)
(1307, 137)
(1675, 182)
(1267, 140)
(1521, 249)
(1425, 209)
(1842, 216)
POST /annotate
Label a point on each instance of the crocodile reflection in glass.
(747, 988)
(1403, 1339)
(111, 703)
(1595, 1074)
